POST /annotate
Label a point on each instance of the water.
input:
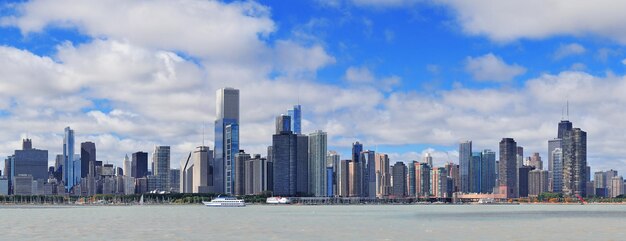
(402, 222)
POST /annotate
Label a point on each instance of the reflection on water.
(431, 222)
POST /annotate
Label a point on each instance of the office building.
(296, 119)
(487, 171)
(428, 159)
(411, 179)
(256, 175)
(87, 154)
(139, 164)
(127, 166)
(317, 163)
(453, 173)
(342, 178)
(507, 168)
(465, 157)
(439, 183)
(383, 175)
(70, 169)
(329, 182)
(368, 173)
(161, 160)
(574, 162)
(33, 162)
(23, 184)
(283, 123)
(354, 179)
(290, 164)
(537, 182)
(422, 180)
(522, 182)
(557, 170)
(399, 179)
(475, 172)
(226, 139)
(240, 159)
(617, 186)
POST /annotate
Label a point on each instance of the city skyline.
(402, 105)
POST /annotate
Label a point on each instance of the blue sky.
(403, 77)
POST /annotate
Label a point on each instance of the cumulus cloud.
(363, 75)
(490, 67)
(566, 50)
(506, 21)
(383, 3)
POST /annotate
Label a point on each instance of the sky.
(403, 77)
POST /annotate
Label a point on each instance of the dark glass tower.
(575, 162)
(226, 139)
(465, 157)
(564, 126)
(507, 181)
(87, 154)
(139, 164)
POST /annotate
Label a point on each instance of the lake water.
(402, 222)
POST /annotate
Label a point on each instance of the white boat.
(277, 200)
(225, 202)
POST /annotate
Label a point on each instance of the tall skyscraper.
(556, 180)
(87, 154)
(465, 157)
(422, 180)
(552, 145)
(564, 126)
(537, 182)
(453, 172)
(296, 119)
(356, 180)
(439, 182)
(399, 179)
(507, 179)
(289, 154)
(487, 171)
(317, 163)
(161, 160)
(574, 162)
(342, 178)
(475, 176)
(428, 159)
(522, 180)
(139, 164)
(283, 123)
(256, 171)
(69, 167)
(368, 173)
(127, 166)
(226, 139)
(383, 175)
(411, 179)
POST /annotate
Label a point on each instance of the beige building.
(383, 175)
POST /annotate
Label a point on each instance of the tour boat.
(277, 200)
(225, 202)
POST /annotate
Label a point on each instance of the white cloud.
(536, 19)
(293, 58)
(359, 75)
(383, 3)
(566, 50)
(492, 68)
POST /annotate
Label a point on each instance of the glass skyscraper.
(317, 163)
(161, 160)
(226, 139)
(465, 157)
(69, 167)
(296, 119)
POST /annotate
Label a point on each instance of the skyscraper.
(383, 175)
(69, 167)
(368, 173)
(439, 182)
(564, 126)
(161, 160)
(289, 154)
(30, 161)
(411, 179)
(488, 171)
(507, 179)
(87, 154)
(475, 176)
(296, 119)
(127, 166)
(317, 163)
(283, 123)
(240, 159)
(139, 164)
(537, 182)
(465, 157)
(557, 169)
(356, 180)
(399, 179)
(574, 162)
(428, 159)
(522, 180)
(422, 180)
(552, 145)
(226, 139)
(453, 172)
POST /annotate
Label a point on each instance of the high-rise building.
(422, 180)
(289, 154)
(240, 159)
(609, 175)
(522, 180)
(329, 182)
(428, 159)
(439, 183)
(383, 175)
(283, 123)
(30, 161)
(296, 119)
(69, 167)
(368, 173)
(411, 179)
(342, 178)
(535, 161)
(574, 162)
(161, 160)
(87, 154)
(317, 163)
(487, 171)
(197, 171)
(356, 183)
(354, 179)
(465, 157)
(552, 145)
(537, 182)
(453, 173)
(333, 160)
(617, 186)
(139, 164)
(226, 139)
(507, 179)
(399, 179)
(557, 170)
(564, 126)
(256, 173)
(475, 172)
(127, 166)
